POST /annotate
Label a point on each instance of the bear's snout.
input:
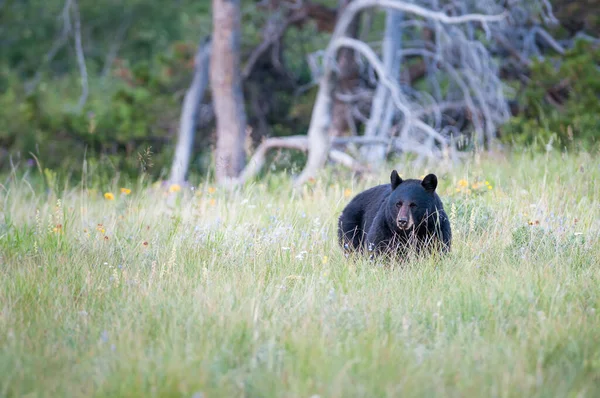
(404, 220)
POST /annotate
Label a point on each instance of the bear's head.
(411, 201)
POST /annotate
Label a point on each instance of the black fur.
(392, 218)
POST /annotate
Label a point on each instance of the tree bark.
(226, 84)
(189, 113)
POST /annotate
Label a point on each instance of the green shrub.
(560, 103)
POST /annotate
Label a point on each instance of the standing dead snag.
(318, 139)
(187, 120)
(226, 84)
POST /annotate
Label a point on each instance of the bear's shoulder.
(373, 195)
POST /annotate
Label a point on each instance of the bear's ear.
(429, 183)
(395, 180)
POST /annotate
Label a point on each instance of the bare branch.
(549, 16)
(549, 39)
(296, 142)
(361, 140)
(511, 49)
(346, 160)
(360, 94)
(80, 57)
(273, 32)
(359, 5)
(397, 96)
(256, 163)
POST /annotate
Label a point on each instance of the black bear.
(392, 218)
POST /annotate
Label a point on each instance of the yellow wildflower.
(109, 196)
(125, 191)
(212, 202)
(463, 183)
(175, 188)
(212, 190)
(489, 187)
(347, 192)
(325, 258)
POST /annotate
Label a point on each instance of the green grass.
(248, 294)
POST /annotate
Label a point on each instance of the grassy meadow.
(111, 292)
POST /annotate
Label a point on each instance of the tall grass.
(248, 294)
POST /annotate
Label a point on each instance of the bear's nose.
(402, 222)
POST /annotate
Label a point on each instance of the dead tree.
(189, 113)
(318, 140)
(227, 93)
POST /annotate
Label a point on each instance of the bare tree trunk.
(226, 83)
(382, 107)
(347, 78)
(189, 112)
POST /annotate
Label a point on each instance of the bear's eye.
(399, 204)
(413, 205)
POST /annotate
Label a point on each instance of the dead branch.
(542, 33)
(358, 5)
(397, 96)
(256, 163)
(272, 33)
(511, 50)
(80, 57)
(359, 94)
(300, 143)
(346, 160)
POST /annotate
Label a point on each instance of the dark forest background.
(139, 60)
